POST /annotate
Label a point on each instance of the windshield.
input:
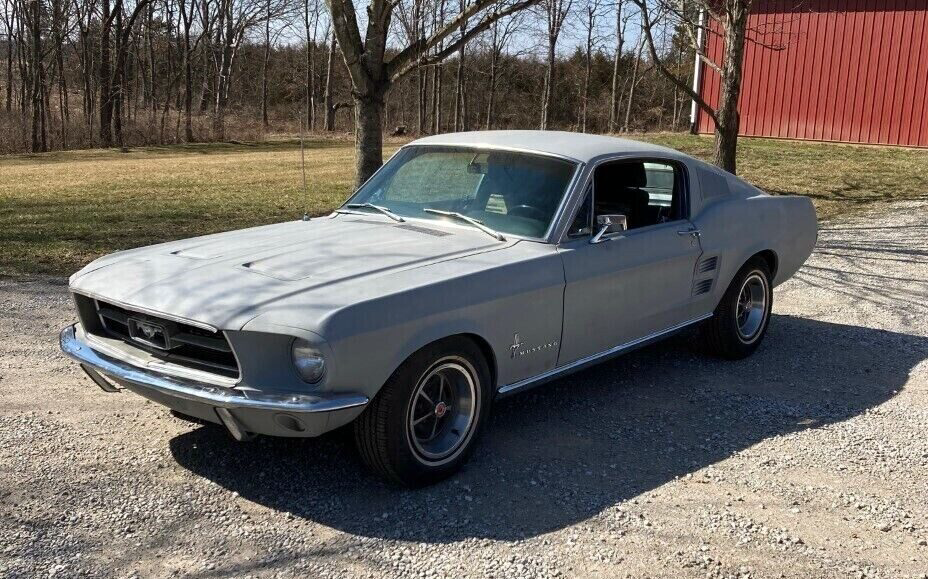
(509, 192)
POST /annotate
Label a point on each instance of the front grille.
(170, 341)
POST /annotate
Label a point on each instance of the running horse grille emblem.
(150, 334)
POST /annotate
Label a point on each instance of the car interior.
(645, 192)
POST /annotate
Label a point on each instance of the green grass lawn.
(60, 210)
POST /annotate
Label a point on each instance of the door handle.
(693, 232)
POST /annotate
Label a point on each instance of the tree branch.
(682, 85)
(405, 62)
(345, 28)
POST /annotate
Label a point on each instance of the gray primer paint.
(368, 292)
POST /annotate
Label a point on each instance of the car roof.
(577, 146)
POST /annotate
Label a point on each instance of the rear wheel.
(740, 321)
(423, 423)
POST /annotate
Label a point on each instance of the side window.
(646, 192)
(583, 222)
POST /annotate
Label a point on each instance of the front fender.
(372, 339)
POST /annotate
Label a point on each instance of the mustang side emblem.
(516, 348)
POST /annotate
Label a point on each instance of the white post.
(697, 68)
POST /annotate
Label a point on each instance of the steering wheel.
(527, 211)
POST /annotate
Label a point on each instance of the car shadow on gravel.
(566, 451)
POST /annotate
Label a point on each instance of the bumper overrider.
(243, 412)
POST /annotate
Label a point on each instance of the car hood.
(227, 279)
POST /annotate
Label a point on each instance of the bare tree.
(329, 97)
(591, 13)
(9, 17)
(732, 18)
(267, 62)
(460, 91)
(187, 13)
(373, 71)
(500, 34)
(621, 25)
(118, 81)
(330, 104)
(233, 21)
(412, 17)
(633, 86)
(140, 67)
(556, 12)
(39, 118)
(311, 27)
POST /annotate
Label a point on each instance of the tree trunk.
(421, 95)
(9, 70)
(727, 117)
(64, 105)
(188, 81)
(267, 60)
(633, 85)
(118, 80)
(614, 96)
(459, 105)
(437, 100)
(329, 97)
(369, 112)
(726, 147)
(222, 87)
(491, 89)
(587, 69)
(310, 69)
(548, 95)
(39, 138)
(105, 80)
(10, 47)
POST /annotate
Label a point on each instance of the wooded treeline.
(92, 73)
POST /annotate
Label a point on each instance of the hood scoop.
(198, 252)
(302, 269)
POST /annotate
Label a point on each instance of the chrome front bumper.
(243, 412)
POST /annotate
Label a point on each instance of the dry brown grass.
(60, 210)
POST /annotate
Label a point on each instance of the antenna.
(303, 169)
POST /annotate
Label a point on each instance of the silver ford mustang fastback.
(471, 266)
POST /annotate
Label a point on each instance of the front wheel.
(740, 321)
(423, 423)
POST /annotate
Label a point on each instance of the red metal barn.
(853, 71)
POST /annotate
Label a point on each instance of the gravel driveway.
(809, 459)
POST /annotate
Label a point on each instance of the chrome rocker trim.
(96, 363)
(582, 363)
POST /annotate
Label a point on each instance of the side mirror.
(609, 224)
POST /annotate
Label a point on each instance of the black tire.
(387, 433)
(727, 333)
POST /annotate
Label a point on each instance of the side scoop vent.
(708, 264)
(702, 287)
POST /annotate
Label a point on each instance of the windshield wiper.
(383, 210)
(466, 219)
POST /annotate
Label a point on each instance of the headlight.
(309, 363)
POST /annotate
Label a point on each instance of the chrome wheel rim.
(751, 310)
(442, 410)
